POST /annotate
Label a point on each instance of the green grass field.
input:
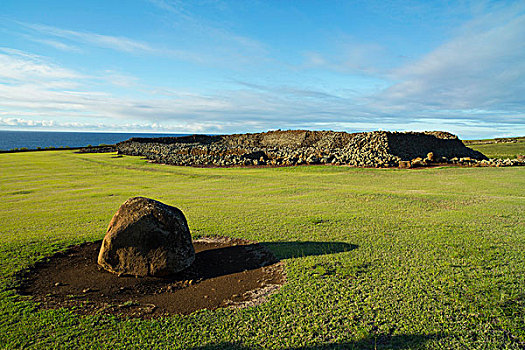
(439, 261)
(500, 150)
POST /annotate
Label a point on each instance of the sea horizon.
(17, 139)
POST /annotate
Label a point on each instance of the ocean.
(34, 139)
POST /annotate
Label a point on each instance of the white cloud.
(20, 66)
(120, 79)
(59, 45)
(118, 43)
(214, 41)
(253, 106)
(18, 122)
(482, 68)
(48, 35)
(350, 56)
(189, 127)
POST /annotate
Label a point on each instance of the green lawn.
(439, 260)
(501, 150)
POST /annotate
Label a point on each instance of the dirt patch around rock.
(226, 273)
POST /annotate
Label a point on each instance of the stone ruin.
(296, 147)
(147, 238)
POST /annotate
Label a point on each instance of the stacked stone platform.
(297, 147)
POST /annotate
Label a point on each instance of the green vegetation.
(496, 140)
(438, 259)
(501, 150)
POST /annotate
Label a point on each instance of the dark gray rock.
(257, 155)
(147, 238)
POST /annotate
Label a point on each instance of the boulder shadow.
(288, 250)
(234, 256)
(223, 261)
(212, 263)
(225, 272)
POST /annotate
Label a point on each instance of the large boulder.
(147, 238)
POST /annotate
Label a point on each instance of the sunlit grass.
(438, 261)
(501, 150)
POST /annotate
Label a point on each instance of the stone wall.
(411, 145)
(295, 147)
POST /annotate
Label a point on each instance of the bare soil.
(226, 273)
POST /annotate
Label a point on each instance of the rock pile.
(97, 149)
(147, 238)
(296, 147)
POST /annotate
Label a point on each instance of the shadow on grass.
(396, 342)
(208, 264)
(287, 250)
(229, 260)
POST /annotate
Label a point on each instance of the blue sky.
(217, 66)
